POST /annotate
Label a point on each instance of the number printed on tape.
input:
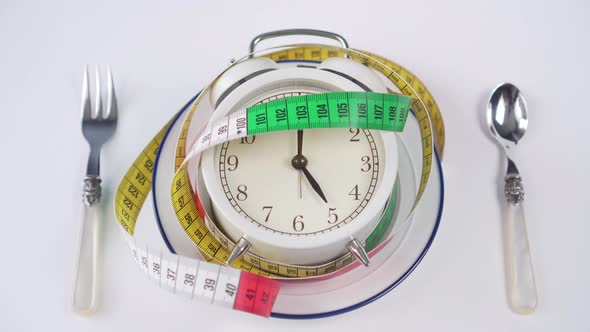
(143, 260)
(228, 282)
(169, 272)
(206, 285)
(154, 266)
(186, 277)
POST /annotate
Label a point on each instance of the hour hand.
(300, 162)
(314, 184)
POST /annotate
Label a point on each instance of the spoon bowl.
(507, 116)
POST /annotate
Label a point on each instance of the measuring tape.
(363, 110)
(217, 247)
(242, 290)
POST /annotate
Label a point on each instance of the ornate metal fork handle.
(92, 190)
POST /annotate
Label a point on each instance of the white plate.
(320, 298)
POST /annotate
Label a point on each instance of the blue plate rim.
(155, 173)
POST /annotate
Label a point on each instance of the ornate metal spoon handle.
(522, 292)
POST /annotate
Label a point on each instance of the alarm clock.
(299, 197)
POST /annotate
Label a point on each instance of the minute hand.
(314, 184)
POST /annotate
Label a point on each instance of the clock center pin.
(299, 161)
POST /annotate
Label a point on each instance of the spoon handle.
(522, 292)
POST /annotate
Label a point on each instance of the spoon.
(508, 120)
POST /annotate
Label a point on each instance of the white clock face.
(263, 185)
(294, 210)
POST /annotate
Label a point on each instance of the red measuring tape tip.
(256, 294)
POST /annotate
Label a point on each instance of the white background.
(162, 54)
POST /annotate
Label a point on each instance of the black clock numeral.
(269, 208)
(298, 223)
(366, 165)
(332, 217)
(242, 195)
(355, 132)
(232, 161)
(355, 192)
(248, 139)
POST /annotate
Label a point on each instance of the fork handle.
(522, 292)
(84, 293)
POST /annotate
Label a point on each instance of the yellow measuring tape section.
(188, 215)
(414, 87)
(210, 247)
(136, 184)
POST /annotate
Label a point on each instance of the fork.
(97, 128)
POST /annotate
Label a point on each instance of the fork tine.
(111, 97)
(97, 97)
(86, 107)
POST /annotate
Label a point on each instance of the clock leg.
(356, 248)
(241, 248)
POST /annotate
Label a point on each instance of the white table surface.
(162, 54)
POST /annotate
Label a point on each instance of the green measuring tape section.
(368, 110)
(377, 234)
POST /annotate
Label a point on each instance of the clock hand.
(300, 194)
(300, 142)
(314, 183)
(300, 162)
(299, 153)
